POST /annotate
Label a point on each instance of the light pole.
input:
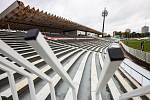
(104, 14)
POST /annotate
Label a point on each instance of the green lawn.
(134, 43)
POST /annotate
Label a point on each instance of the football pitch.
(136, 44)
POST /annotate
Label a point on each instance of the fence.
(48, 55)
(144, 56)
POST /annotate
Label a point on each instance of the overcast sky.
(123, 14)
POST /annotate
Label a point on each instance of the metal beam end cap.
(31, 34)
(115, 54)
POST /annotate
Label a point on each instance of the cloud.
(4, 4)
(123, 14)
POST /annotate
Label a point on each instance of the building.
(145, 29)
(128, 30)
(91, 34)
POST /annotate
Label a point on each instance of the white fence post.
(11, 81)
(32, 89)
(0, 97)
(12, 66)
(12, 85)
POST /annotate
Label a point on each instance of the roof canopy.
(21, 17)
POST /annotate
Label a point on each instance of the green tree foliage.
(132, 35)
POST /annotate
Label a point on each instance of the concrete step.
(35, 62)
(77, 78)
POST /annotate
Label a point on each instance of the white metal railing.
(10, 53)
(144, 56)
(11, 81)
(0, 97)
(41, 46)
(10, 68)
(113, 58)
(106, 74)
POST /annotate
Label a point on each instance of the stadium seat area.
(78, 57)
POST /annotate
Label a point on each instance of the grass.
(136, 44)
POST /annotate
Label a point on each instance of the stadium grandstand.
(46, 57)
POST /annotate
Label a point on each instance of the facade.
(91, 34)
(71, 33)
(145, 29)
(81, 33)
(75, 33)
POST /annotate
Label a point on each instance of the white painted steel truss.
(109, 68)
(42, 47)
(10, 53)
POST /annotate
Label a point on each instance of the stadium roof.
(21, 17)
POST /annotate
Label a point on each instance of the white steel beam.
(133, 80)
(12, 66)
(11, 81)
(8, 51)
(36, 39)
(114, 57)
(0, 97)
(135, 93)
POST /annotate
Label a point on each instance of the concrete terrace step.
(113, 89)
(133, 81)
(94, 78)
(125, 84)
(77, 78)
(64, 51)
(69, 53)
(7, 92)
(41, 94)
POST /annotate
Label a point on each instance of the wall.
(144, 56)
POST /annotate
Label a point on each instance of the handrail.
(36, 39)
(12, 66)
(8, 51)
(136, 92)
(114, 57)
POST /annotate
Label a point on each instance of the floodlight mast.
(104, 14)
